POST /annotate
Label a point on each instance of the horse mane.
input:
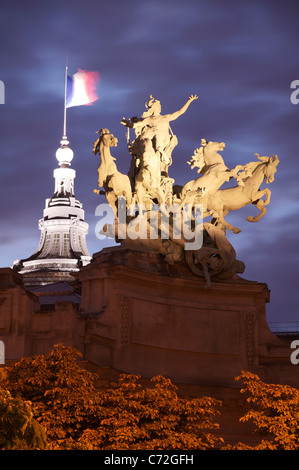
(96, 144)
(251, 167)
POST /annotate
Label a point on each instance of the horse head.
(270, 167)
(107, 139)
(212, 147)
(207, 150)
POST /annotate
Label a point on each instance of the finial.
(64, 154)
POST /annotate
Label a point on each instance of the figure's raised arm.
(181, 111)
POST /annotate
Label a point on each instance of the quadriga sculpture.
(161, 205)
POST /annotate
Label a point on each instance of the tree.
(274, 410)
(18, 428)
(53, 393)
(136, 417)
(123, 415)
(63, 395)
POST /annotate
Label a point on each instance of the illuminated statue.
(163, 140)
(155, 138)
(185, 224)
(115, 183)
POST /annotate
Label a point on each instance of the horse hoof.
(236, 230)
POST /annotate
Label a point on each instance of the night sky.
(240, 57)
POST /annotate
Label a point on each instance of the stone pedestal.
(145, 317)
(17, 306)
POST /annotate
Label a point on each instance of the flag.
(81, 88)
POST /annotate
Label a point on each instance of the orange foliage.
(274, 410)
(124, 415)
(18, 428)
(62, 394)
(54, 391)
(133, 417)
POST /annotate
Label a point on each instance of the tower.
(62, 249)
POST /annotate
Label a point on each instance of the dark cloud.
(239, 57)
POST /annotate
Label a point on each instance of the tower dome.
(62, 249)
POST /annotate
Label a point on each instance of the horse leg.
(268, 196)
(259, 194)
(101, 177)
(127, 191)
(260, 204)
(222, 220)
(112, 198)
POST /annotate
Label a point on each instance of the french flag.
(81, 88)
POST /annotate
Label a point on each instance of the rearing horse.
(213, 169)
(116, 184)
(231, 199)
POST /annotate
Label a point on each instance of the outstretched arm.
(177, 114)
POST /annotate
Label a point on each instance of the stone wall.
(143, 316)
(138, 315)
(26, 328)
(17, 306)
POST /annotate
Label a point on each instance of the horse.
(213, 168)
(115, 184)
(223, 201)
(148, 174)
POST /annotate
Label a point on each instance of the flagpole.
(65, 93)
